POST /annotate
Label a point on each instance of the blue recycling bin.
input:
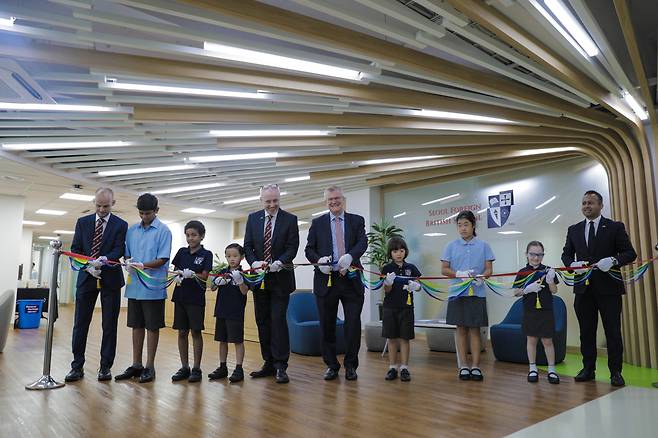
(29, 313)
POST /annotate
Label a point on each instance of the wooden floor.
(435, 403)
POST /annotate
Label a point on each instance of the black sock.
(238, 366)
(222, 364)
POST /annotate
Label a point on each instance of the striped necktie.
(98, 238)
(267, 246)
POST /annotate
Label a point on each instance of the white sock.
(551, 369)
(533, 367)
(393, 367)
(403, 367)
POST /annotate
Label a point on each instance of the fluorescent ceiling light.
(546, 202)
(138, 170)
(397, 160)
(445, 198)
(529, 152)
(269, 132)
(184, 90)
(318, 213)
(54, 107)
(461, 116)
(167, 221)
(247, 199)
(233, 157)
(77, 197)
(556, 218)
(63, 232)
(51, 212)
(635, 105)
(434, 234)
(298, 178)
(510, 232)
(7, 21)
(195, 210)
(283, 62)
(49, 237)
(187, 188)
(63, 145)
(573, 26)
(301, 222)
(399, 215)
(34, 223)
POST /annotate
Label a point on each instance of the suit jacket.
(285, 243)
(113, 246)
(611, 241)
(320, 244)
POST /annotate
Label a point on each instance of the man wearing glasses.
(271, 241)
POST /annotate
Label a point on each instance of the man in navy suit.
(271, 240)
(338, 238)
(603, 243)
(101, 236)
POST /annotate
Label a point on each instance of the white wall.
(25, 256)
(11, 224)
(531, 187)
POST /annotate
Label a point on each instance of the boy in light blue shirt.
(148, 246)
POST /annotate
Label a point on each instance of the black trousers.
(587, 307)
(351, 297)
(270, 307)
(84, 310)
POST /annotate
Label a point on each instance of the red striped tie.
(98, 238)
(267, 246)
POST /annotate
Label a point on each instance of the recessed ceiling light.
(183, 90)
(55, 107)
(187, 188)
(268, 133)
(298, 178)
(63, 145)
(434, 234)
(34, 223)
(138, 170)
(77, 197)
(246, 199)
(510, 232)
(51, 212)
(49, 237)
(63, 232)
(233, 157)
(195, 210)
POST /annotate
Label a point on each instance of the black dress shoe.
(391, 374)
(350, 374)
(148, 375)
(585, 375)
(330, 374)
(266, 371)
(74, 375)
(104, 374)
(195, 375)
(616, 379)
(182, 374)
(405, 376)
(237, 376)
(282, 376)
(220, 373)
(131, 372)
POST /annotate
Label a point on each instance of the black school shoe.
(195, 375)
(148, 375)
(131, 372)
(182, 374)
(391, 374)
(237, 376)
(220, 373)
(464, 374)
(405, 376)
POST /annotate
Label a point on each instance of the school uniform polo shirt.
(145, 245)
(192, 290)
(466, 255)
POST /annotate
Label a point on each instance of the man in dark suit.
(271, 240)
(338, 238)
(101, 236)
(604, 244)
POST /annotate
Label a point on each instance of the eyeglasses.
(536, 254)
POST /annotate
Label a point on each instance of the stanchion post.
(46, 381)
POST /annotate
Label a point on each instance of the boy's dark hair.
(236, 246)
(397, 242)
(147, 202)
(595, 193)
(196, 225)
(468, 215)
(534, 243)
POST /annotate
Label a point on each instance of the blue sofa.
(304, 326)
(509, 342)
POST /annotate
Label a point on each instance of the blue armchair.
(509, 342)
(304, 326)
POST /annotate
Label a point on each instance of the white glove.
(93, 271)
(344, 262)
(550, 276)
(479, 280)
(462, 275)
(220, 281)
(276, 266)
(327, 268)
(132, 265)
(413, 286)
(532, 287)
(579, 265)
(605, 264)
(100, 261)
(390, 278)
(236, 276)
(178, 280)
(258, 266)
(187, 273)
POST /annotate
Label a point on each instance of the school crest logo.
(407, 272)
(500, 207)
(198, 260)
